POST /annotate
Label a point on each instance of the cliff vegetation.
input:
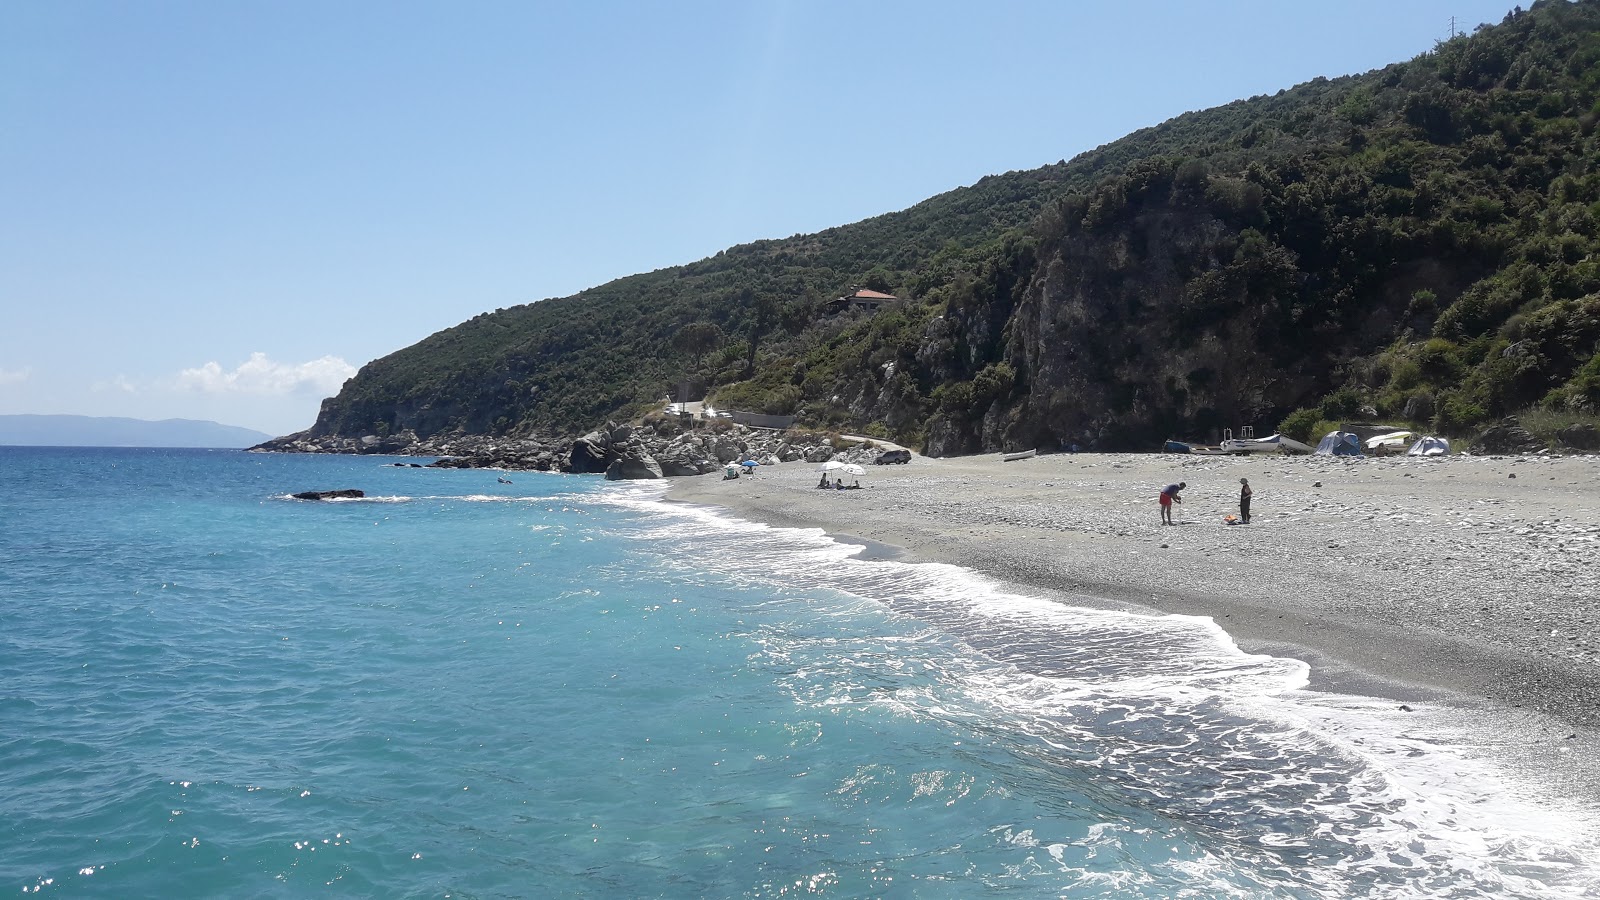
(1418, 244)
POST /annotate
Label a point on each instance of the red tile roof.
(871, 295)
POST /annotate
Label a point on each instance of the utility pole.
(1452, 28)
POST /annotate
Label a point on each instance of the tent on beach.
(1339, 443)
(1430, 446)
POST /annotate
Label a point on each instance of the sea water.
(563, 687)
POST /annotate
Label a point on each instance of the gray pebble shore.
(1470, 581)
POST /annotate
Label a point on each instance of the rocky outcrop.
(590, 453)
(630, 468)
(619, 451)
(1582, 436)
(1507, 437)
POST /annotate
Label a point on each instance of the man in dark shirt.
(1169, 496)
(1244, 500)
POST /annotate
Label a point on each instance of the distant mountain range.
(112, 431)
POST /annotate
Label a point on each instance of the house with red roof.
(864, 300)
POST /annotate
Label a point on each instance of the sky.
(222, 210)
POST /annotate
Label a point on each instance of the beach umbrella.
(853, 470)
(750, 462)
(832, 464)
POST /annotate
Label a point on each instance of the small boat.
(1172, 446)
(1276, 443)
(1013, 457)
(1247, 443)
(1393, 442)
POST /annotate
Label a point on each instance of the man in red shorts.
(1169, 496)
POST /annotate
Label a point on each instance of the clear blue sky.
(221, 210)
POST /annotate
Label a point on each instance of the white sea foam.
(1346, 795)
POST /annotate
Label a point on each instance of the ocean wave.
(1335, 794)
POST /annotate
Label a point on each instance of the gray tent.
(1339, 443)
(1430, 446)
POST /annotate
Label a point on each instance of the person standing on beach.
(1169, 496)
(1244, 500)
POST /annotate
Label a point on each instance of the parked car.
(893, 457)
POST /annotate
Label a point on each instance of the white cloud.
(15, 376)
(120, 384)
(260, 375)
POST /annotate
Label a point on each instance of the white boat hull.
(1275, 444)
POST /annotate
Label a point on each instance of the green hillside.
(1417, 244)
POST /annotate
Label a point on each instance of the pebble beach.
(1465, 582)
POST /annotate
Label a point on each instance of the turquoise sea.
(563, 687)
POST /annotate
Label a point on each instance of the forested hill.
(1417, 243)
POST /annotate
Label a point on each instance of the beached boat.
(1172, 446)
(1276, 443)
(1012, 457)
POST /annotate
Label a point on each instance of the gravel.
(1414, 579)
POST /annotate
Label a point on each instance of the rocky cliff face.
(1165, 321)
(1114, 345)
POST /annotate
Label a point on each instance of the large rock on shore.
(590, 453)
(681, 458)
(1582, 436)
(1507, 437)
(630, 468)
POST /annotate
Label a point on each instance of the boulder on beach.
(1507, 437)
(819, 454)
(728, 450)
(630, 468)
(590, 453)
(1582, 436)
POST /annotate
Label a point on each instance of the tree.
(764, 311)
(697, 339)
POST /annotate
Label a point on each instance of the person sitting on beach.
(1169, 496)
(1244, 500)
(824, 482)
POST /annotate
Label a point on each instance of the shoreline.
(1471, 583)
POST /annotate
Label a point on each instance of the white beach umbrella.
(832, 464)
(853, 469)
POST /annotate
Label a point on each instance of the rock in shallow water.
(341, 494)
